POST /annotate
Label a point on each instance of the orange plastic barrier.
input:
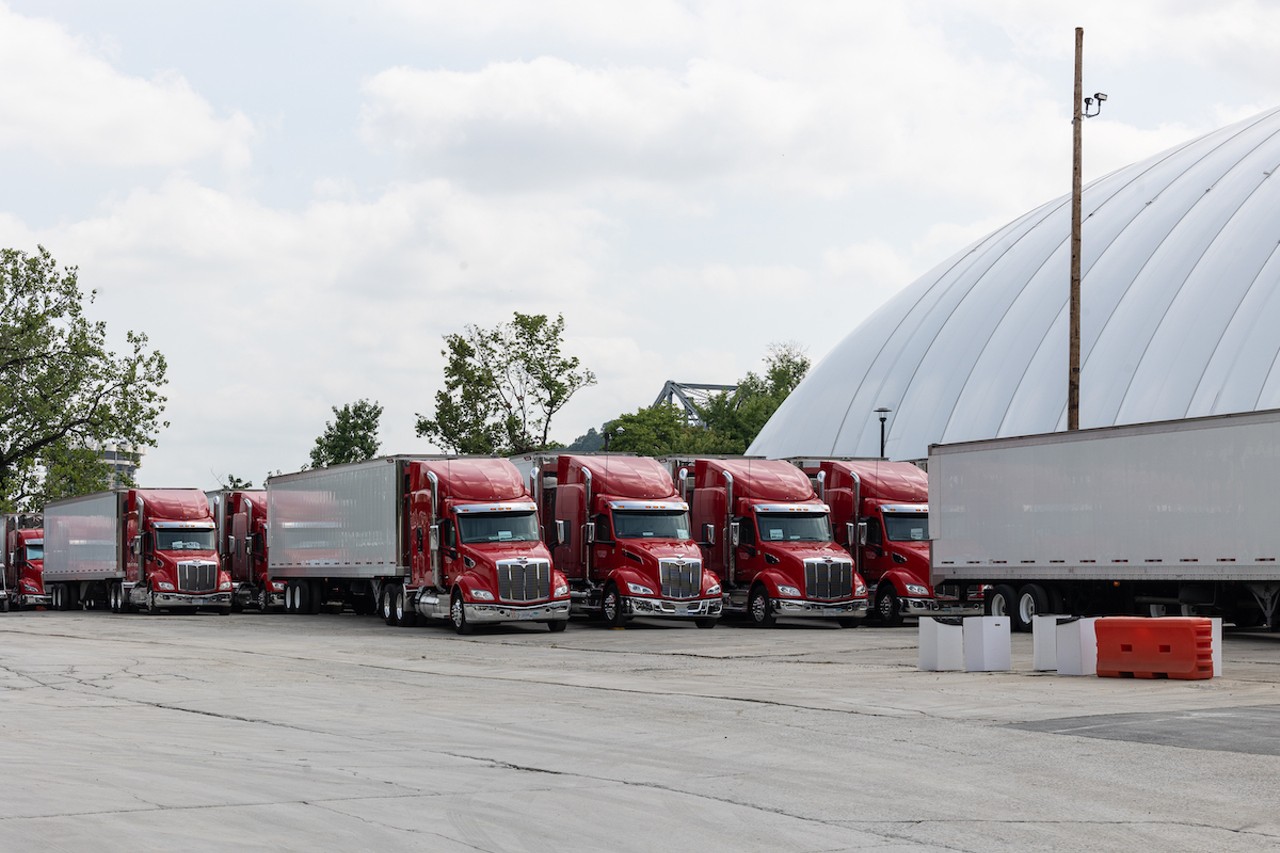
(1169, 647)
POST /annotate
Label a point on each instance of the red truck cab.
(880, 513)
(240, 518)
(622, 537)
(767, 534)
(476, 555)
(171, 561)
(22, 584)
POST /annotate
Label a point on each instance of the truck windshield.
(184, 539)
(35, 552)
(906, 528)
(650, 524)
(498, 527)
(793, 527)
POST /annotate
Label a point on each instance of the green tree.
(62, 391)
(737, 417)
(66, 470)
(662, 430)
(352, 436)
(503, 386)
(234, 483)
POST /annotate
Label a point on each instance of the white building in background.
(1180, 315)
(124, 462)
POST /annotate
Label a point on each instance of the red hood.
(660, 549)
(494, 551)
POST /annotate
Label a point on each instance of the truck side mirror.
(735, 533)
(562, 531)
(136, 546)
(231, 544)
(862, 532)
(709, 534)
(589, 532)
(434, 537)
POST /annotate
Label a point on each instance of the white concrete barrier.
(1077, 647)
(987, 645)
(1044, 643)
(941, 646)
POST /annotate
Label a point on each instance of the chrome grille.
(524, 580)
(680, 578)
(828, 579)
(197, 577)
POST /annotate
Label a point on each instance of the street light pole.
(883, 413)
(1080, 111)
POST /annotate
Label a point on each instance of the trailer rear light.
(788, 590)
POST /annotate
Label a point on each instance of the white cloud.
(62, 101)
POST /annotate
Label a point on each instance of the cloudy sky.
(296, 201)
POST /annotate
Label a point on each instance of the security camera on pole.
(1083, 108)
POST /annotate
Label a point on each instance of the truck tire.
(406, 617)
(555, 626)
(1032, 599)
(888, 606)
(314, 597)
(458, 614)
(386, 604)
(848, 622)
(612, 607)
(760, 608)
(1000, 600)
(705, 622)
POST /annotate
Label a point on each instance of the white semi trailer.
(1167, 517)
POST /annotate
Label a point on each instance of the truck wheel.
(1032, 599)
(848, 622)
(555, 626)
(458, 614)
(406, 617)
(888, 607)
(386, 604)
(313, 597)
(612, 608)
(4, 605)
(264, 598)
(236, 604)
(705, 622)
(1000, 600)
(760, 608)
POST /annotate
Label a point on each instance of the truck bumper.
(792, 607)
(26, 600)
(179, 599)
(667, 608)
(483, 614)
(933, 607)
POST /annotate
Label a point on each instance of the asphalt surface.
(338, 733)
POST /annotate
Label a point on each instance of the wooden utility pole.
(1073, 378)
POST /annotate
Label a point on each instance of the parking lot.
(339, 733)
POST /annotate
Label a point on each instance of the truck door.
(875, 559)
(750, 562)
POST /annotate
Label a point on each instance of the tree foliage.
(352, 436)
(503, 386)
(63, 393)
(233, 483)
(730, 420)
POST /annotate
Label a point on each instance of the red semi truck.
(22, 583)
(880, 512)
(769, 538)
(451, 538)
(240, 518)
(621, 535)
(145, 548)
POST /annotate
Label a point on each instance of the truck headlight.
(224, 586)
(639, 589)
(561, 591)
(277, 586)
(859, 590)
(714, 589)
(165, 585)
(788, 590)
(481, 595)
(917, 589)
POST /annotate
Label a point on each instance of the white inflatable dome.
(1180, 316)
